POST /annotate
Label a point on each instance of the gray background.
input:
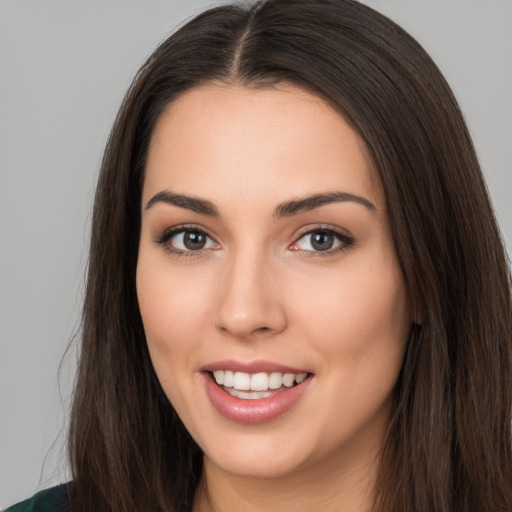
(64, 67)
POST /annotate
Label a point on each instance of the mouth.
(256, 386)
(254, 393)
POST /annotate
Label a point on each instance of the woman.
(297, 294)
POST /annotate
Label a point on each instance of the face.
(272, 301)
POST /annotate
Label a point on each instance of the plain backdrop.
(64, 67)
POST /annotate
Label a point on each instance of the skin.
(260, 291)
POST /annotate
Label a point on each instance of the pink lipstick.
(254, 392)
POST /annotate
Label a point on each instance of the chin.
(257, 464)
(266, 452)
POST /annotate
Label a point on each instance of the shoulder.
(54, 499)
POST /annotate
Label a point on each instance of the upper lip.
(252, 367)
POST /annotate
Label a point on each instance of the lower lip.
(257, 411)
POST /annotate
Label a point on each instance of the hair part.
(449, 442)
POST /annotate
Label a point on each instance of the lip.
(253, 412)
(252, 367)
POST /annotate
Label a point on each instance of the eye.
(185, 240)
(322, 240)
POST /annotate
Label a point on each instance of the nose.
(249, 302)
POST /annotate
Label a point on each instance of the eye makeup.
(189, 240)
(324, 242)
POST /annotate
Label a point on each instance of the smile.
(259, 394)
(255, 386)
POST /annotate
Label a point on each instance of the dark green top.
(49, 500)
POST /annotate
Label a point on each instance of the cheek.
(169, 314)
(379, 307)
(173, 307)
(359, 318)
(359, 329)
(171, 302)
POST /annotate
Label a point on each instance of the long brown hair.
(449, 442)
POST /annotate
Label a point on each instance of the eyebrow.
(309, 203)
(286, 209)
(195, 204)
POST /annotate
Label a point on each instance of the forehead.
(234, 141)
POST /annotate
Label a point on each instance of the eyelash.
(346, 241)
(164, 241)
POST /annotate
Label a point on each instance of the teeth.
(242, 381)
(228, 379)
(301, 377)
(251, 395)
(219, 377)
(288, 379)
(275, 380)
(259, 382)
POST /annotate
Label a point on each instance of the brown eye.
(194, 240)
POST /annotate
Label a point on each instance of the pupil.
(194, 240)
(322, 241)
